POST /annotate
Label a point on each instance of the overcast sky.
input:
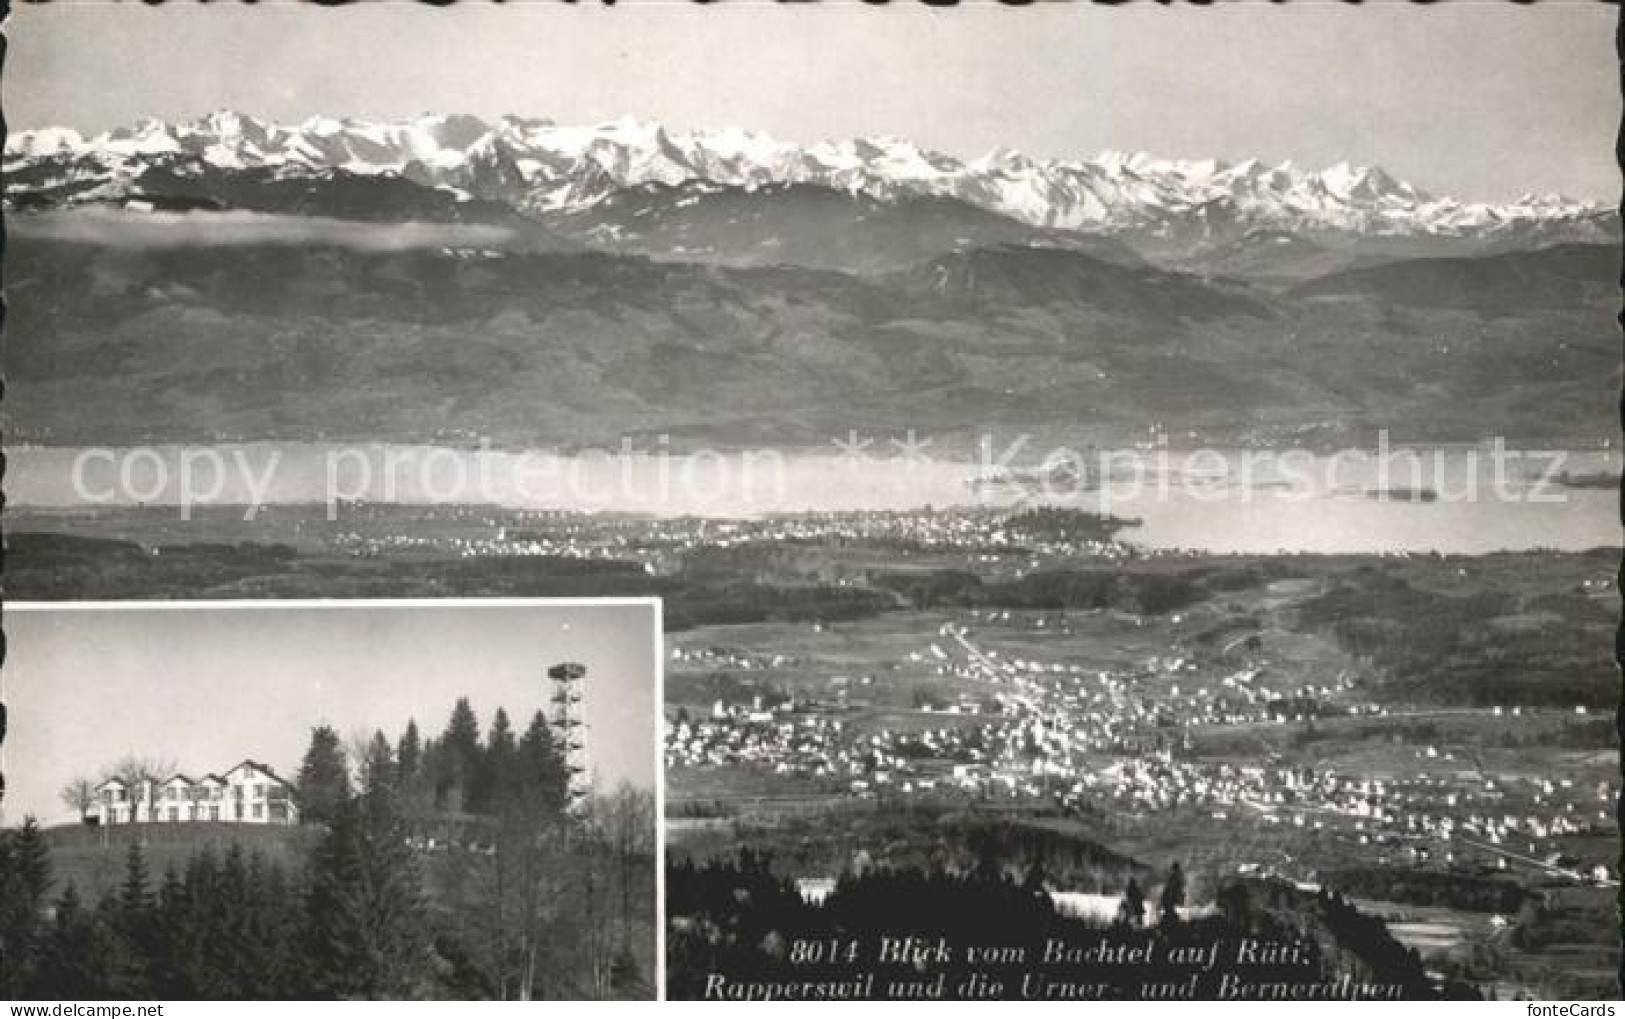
(1479, 100)
(208, 687)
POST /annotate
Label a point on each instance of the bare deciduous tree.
(141, 775)
(79, 795)
(628, 819)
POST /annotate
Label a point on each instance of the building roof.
(262, 768)
(208, 778)
(211, 777)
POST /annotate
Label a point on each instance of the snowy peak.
(537, 166)
(44, 143)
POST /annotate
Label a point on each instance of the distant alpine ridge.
(541, 168)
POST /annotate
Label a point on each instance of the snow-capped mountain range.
(539, 167)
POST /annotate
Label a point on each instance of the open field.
(93, 858)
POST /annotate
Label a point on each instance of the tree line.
(460, 773)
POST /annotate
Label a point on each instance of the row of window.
(257, 813)
(195, 793)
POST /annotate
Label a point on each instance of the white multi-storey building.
(249, 793)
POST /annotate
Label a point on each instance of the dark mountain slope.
(115, 344)
(804, 225)
(1564, 276)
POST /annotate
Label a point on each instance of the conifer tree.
(459, 756)
(1131, 910)
(25, 881)
(496, 789)
(379, 771)
(366, 911)
(31, 858)
(171, 919)
(324, 777)
(207, 962)
(1173, 895)
(408, 755)
(80, 957)
(231, 911)
(271, 928)
(423, 796)
(544, 777)
(132, 915)
(135, 893)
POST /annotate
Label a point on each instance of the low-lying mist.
(130, 229)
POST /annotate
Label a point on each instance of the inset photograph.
(340, 800)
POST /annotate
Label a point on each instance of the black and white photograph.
(286, 800)
(1132, 491)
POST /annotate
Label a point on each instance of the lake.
(1455, 499)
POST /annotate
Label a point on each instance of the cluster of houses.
(955, 529)
(249, 793)
(733, 658)
(661, 545)
(1042, 730)
(1032, 721)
